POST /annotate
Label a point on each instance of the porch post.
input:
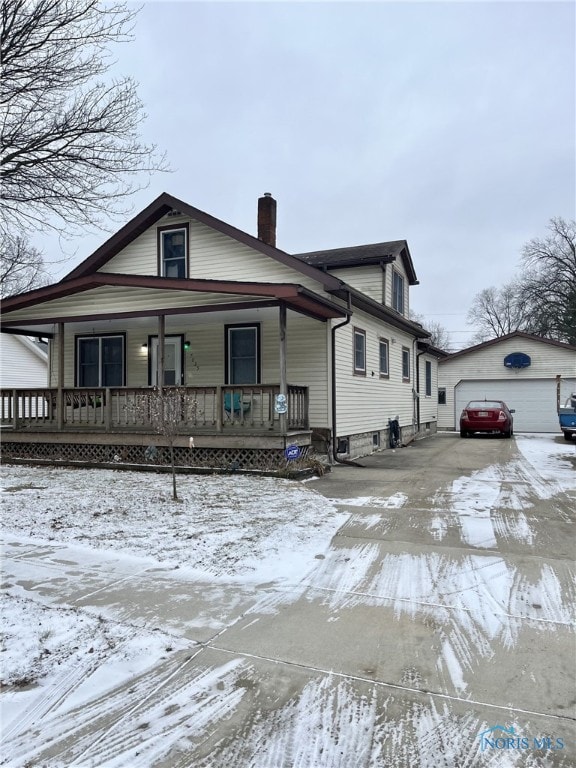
(60, 381)
(283, 381)
(160, 361)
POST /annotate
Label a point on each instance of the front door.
(173, 373)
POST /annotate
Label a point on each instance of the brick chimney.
(267, 219)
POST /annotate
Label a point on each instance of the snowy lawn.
(238, 528)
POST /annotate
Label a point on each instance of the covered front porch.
(230, 428)
(238, 409)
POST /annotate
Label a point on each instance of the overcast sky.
(451, 125)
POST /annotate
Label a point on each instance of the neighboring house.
(520, 369)
(277, 349)
(23, 362)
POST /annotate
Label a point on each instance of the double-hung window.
(405, 364)
(242, 354)
(359, 352)
(173, 251)
(100, 361)
(397, 292)
(384, 369)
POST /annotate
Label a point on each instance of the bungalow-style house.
(268, 350)
(530, 374)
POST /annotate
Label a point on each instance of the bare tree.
(21, 266)
(439, 336)
(497, 312)
(167, 410)
(549, 282)
(70, 149)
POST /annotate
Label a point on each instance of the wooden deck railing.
(211, 409)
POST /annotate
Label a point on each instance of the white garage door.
(534, 400)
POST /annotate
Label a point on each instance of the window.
(359, 351)
(398, 292)
(441, 395)
(383, 344)
(173, 251)
(405, 364)
(428, 376)
(242, 354)
(100, 361)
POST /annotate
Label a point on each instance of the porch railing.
(216, 408)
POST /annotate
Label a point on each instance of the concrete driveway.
(436, 631)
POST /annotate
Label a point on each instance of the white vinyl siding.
(203, 362)
(20, 365)
(109, 299)
(365, 403)
(213, 256)
(368, 279)
(487, 365)
(428, 404)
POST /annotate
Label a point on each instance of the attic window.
(173, 251)
(398, 292)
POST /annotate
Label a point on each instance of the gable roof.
(165, 203)
(499, 339)
(363, 255)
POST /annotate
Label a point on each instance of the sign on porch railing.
(280, 404)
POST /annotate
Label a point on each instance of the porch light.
(186, 344)
(144, 345)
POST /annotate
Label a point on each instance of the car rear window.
(474, 404)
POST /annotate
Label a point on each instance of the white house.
(276, 349)
(23, 362)
(531, 374)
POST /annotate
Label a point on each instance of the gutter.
(333, 388)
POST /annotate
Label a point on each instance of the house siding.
(366, 403)
(428, 404)
(547, 361)
(213, 255)
(204, 363)
(20, 366)
(368, 279)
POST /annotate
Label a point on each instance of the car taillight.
(464, 414)
(501, 416)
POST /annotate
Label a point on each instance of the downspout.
(418, 355)
(333, 389)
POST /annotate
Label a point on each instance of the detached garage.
(520, 369)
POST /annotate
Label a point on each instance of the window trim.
(185, 227)
(383, 340)
(396, 275)
(82, 336)
(227, 367)
(427, 378)
(362, 334)
(406, 351)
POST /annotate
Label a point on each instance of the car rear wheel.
(463, 433)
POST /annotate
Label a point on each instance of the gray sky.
(451, 125)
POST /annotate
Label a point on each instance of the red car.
(486, 416)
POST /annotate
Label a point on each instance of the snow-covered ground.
(239, 528)
(249, 547)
